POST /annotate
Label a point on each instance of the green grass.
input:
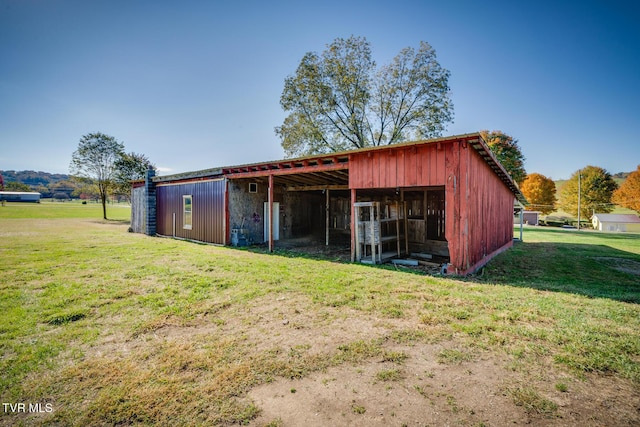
(531, 400)
(583, 262)
(87, 309)
(71, 209)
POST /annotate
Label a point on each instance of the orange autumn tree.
(540, 191)
(628, 195)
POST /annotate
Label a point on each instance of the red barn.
(447, 197)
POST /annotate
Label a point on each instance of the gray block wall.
(150, 190)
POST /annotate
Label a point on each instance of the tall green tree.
(540, 191)
(338, 100)
(596, 188)
(508, 153)
(628, 195)
(95, 161)
(129, 167)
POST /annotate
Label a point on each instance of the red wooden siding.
(208, 210)
(478, 204)
(479, 210)
(419, 165)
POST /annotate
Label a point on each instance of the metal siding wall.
(208, 210)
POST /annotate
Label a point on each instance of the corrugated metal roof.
(205, 173)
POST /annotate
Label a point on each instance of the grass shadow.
(593, 270)
(115, 221)
(568, 261)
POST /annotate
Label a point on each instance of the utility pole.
(579, 195)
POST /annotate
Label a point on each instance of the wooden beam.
(237, 173)
(317, 187)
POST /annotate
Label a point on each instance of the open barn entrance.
(400, 223)
(317, 221)
(426, 220)
(308, 203)
(314, 207)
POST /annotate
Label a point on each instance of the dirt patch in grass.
(426, 393)
(479, 392)
(335, 366)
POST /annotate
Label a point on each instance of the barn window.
(187, 204)
(253, 187)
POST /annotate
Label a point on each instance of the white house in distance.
(616, 222)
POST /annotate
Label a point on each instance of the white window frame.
(187, 215)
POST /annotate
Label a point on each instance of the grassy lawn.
(110, 327)
(583, 262)
(70, 209)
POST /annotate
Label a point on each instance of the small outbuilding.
(20, 196)
(616, 222)
(528, 218)
(446, 197)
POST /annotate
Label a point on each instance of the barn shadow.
(595, 271)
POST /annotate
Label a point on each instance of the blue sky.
(197, 84)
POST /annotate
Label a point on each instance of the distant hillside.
(56, 185)
(621, 175)
(33, 178)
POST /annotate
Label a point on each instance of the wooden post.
(406, 226)
(354, 243)
(521, 220)
(398, 227)
(373, 234)
(327, 212)
(270, 213)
